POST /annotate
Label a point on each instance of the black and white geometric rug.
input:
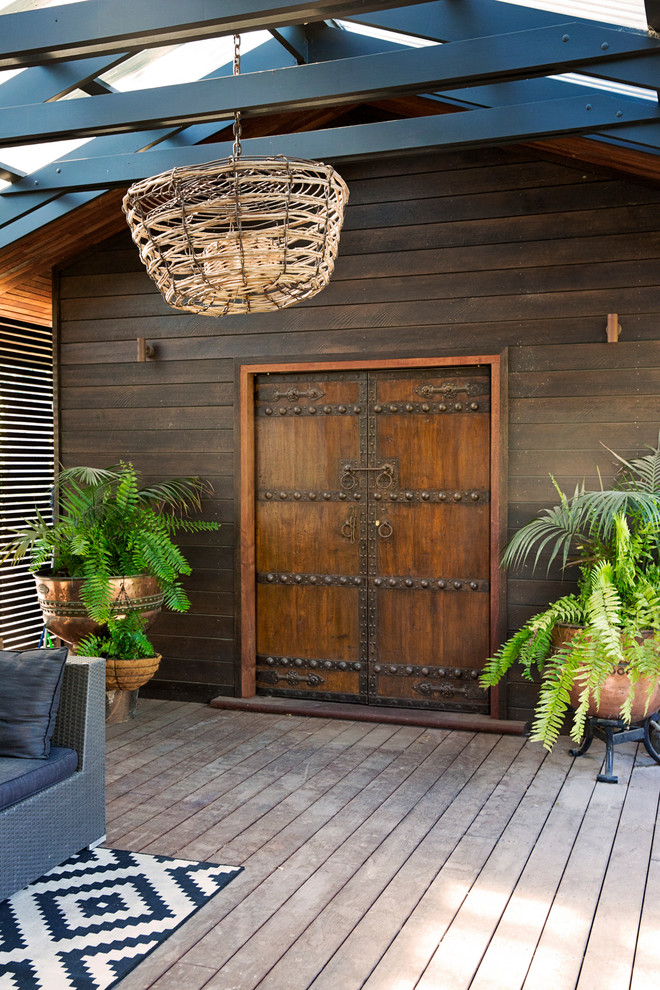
(85, 924)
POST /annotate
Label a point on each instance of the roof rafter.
(51, 82)
(528, 107)
(23, 214)
(439, 21)
(461, 63)
(101, 27)
(476, 128)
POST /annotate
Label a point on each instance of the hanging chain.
(236, 151)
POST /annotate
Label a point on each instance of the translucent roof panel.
(8, 73)
(373, 32)
(19, 6)
(628, 13)
(178, 63)
(623, 89)
(28, 157)
(146, 70)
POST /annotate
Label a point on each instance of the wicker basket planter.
(128, 675)
(241, 235)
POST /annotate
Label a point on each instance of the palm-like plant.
(612, 535)
(110, 526)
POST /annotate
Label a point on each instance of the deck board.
(560, 951)
(647, 956)
(390, 857)
(616, 922)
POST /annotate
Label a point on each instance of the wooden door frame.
(245, 491)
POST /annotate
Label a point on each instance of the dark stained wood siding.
(440, 255)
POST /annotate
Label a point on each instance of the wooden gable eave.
(30, 301)
(25, 265)
(621, 160)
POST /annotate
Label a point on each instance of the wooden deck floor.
(390, 857)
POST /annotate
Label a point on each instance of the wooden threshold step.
(373, 713)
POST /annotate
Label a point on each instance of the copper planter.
(65, 615)
(616, 688)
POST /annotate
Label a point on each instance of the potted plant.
(130, 661)
(606, 633)
(130, 658)
(111, 548)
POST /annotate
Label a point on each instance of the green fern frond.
(614, 535)
(554, 697)
(109, 526)
(496, 667)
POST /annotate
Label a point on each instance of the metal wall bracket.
(145, 351)
(613, 328)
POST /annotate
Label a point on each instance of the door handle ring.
(384, 529)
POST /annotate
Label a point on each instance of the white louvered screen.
(26, 466)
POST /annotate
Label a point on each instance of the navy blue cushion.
(30, 684)
(20, 777)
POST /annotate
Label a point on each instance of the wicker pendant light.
(240, 235)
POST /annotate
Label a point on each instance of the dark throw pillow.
(30, 685)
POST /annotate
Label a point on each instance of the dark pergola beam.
(21, 215)
(471, 129)
(51, 82)
(101, 27)
(480, 60)
(294, 39)
(9, 174)
(448, 22)
(442, 21)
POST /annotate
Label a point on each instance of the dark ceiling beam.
(480, 60)
(48, 211)
(295, 41)
(445, 22)
(43, 83)
(476, 128)
(22, 215)
(101, 27)
(9, 174)
(632, 71)
(442, 21)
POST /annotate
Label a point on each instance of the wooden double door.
(373, 536)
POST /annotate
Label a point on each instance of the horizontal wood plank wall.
(440, 255)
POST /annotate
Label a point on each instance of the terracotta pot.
(616, 688)
(65, 615)
(128, 675)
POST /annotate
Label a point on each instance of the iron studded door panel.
(311, 537)
(429, 539)
(373, 536)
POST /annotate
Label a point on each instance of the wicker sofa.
(47, 827)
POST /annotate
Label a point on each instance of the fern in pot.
(113, 546)
(130, 658)
(606, 636)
